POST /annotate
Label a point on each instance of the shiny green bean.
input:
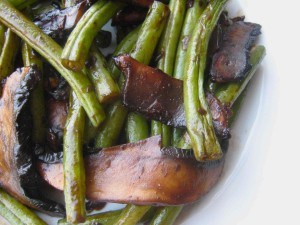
(74, 172)
(198, 118)
(106, 88)
(19, 210)
(77, 48)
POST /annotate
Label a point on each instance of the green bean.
(110, 130)
(198, 117)
(106, 88)
(21, 4)
(125, 46)
(193, 13)
(167, 51)
(227, 93)
(90, 132)
(74, 173)
(80, 40)
(105, 218)
(9, 216)
(136, 127)
(50, 50)
(2, 36)
(149, 34)
(131, 214)
(166, 215)
(37, 102)
(19, 210)
(8, 54)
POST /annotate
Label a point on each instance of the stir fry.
(147, 125)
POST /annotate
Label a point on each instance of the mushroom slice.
(158, 96)
(141, 173)
(17, 170)
(231, 61)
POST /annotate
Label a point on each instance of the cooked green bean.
(136, 127)
(2, 36)
(106, 88)
(227, 93)
(193, 13)
(167, 52)
(37, 101)
(166, 215)
(125, 46)
(19, 210)
(105, 218)
(21, 4)
(74, 172)
(80, 40)
(9, 216)
(50, 50)
(148, 35)
(110, 130)
(198, 117)
(8, 54)
(131, 214)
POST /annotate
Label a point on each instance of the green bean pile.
(176, 32)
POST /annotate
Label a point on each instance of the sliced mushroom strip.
(158, 96)
(58, 22)
(18, 176)
(141, 173)
(231, 61)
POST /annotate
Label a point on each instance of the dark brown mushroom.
(231, 61)
(158, 96)
(17, 170)
(141, 173)
(59, 22)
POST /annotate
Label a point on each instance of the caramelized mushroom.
(141, 173)
(231, 61)
(158, 96)
(17, 170)
(58, 22)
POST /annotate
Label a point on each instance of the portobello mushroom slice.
(141, 173)
(57, 23)
(18, 175)
(231, 61)
(158, 96)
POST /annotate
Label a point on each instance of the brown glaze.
(151, 92)
(129, 16)
(231, 61)
(139, 173)
(17, 172)
(58, 22)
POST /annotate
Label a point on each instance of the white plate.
(257, 185)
